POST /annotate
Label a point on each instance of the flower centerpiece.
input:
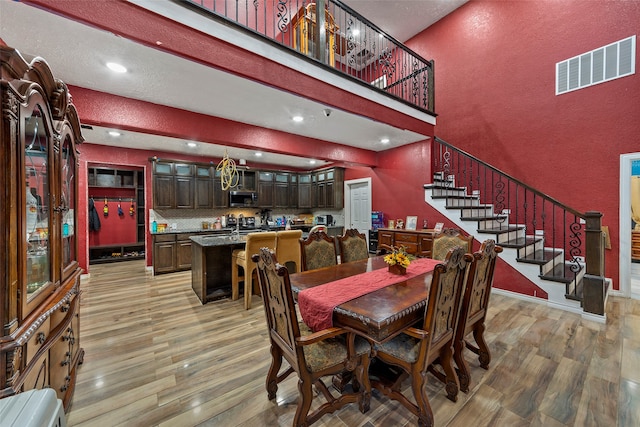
(398, 260)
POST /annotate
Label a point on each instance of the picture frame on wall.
(412, 222)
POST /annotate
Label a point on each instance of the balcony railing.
(339, 39)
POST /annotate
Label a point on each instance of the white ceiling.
(70, 49)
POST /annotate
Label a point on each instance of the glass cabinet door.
(68, 201)
(36, 202)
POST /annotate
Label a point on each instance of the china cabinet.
(39, 283)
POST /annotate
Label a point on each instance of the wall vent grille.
(598, 66)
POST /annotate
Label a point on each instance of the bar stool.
(288, 248)
(242, 258)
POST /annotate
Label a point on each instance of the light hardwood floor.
(156, 356)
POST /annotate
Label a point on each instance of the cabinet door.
(163, 192)
(281, 190)
(293, 191)
(220, 196)
(164, 256)
(67, 212)
(203, 188)
(183, 254)
(266, 190)
(184, 186)
(385, 238)
(304, 191)
(38, 210)
(426, 245)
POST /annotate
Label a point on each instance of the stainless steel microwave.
(238, 199)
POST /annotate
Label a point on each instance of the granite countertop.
(218, 240)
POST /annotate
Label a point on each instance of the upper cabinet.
(40, 277)
(330, 188)
(183, 185)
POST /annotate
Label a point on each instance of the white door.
(358, 209)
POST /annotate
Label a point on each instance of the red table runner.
(317, 303)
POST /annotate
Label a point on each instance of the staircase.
(544, 240)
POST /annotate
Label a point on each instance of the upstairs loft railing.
(574, 235)
(339, 39)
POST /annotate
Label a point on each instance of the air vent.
(598, 66)
(86, 127)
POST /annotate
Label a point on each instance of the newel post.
(595, 287)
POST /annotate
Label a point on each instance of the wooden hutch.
(39, 283)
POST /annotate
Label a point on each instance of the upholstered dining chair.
(318, 251)
(474, 311)
(447, 239)
(353, 246)
(416, 348)
(311, 356)
(242, 258)
(288, 248)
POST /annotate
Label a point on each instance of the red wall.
(495, 97)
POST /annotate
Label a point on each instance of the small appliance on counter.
(232, 221)
(324, 220)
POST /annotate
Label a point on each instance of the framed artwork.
(438, 227)
(392, 223)
(412, 222)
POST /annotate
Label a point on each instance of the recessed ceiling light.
(114, 133)
(192, 144)
(116, 67)
(385, 140)
(297, 118)
(312, 162)
(258, 154)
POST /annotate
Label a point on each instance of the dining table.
(372, 301)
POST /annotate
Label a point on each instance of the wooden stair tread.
(483, 217)
(561, 273)
(540, 257)
(500, 230)
(520, 242)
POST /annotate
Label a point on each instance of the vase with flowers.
(398, 260)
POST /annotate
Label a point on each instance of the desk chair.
(474, 310)
(310, 355)
(318, 250)
(353, 246)
(242, 258)
(447, 239)
(412, 351)
(288, 248)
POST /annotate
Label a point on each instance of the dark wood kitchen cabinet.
(330, 188)
(171, 252)
(282, 189)
(40, 284)
(173, 185)
(203, 187)
(305, 190)
(266, 189)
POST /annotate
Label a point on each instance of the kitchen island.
(211, 265)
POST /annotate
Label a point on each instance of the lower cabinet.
(416, 242)
(47, 351)
(171, 252)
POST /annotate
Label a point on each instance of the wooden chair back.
(311, 356)
(447, 239)
(353, 246)
(474, 310)
(318, 251)
(288, 248)
(279, 306)
(415, 349)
